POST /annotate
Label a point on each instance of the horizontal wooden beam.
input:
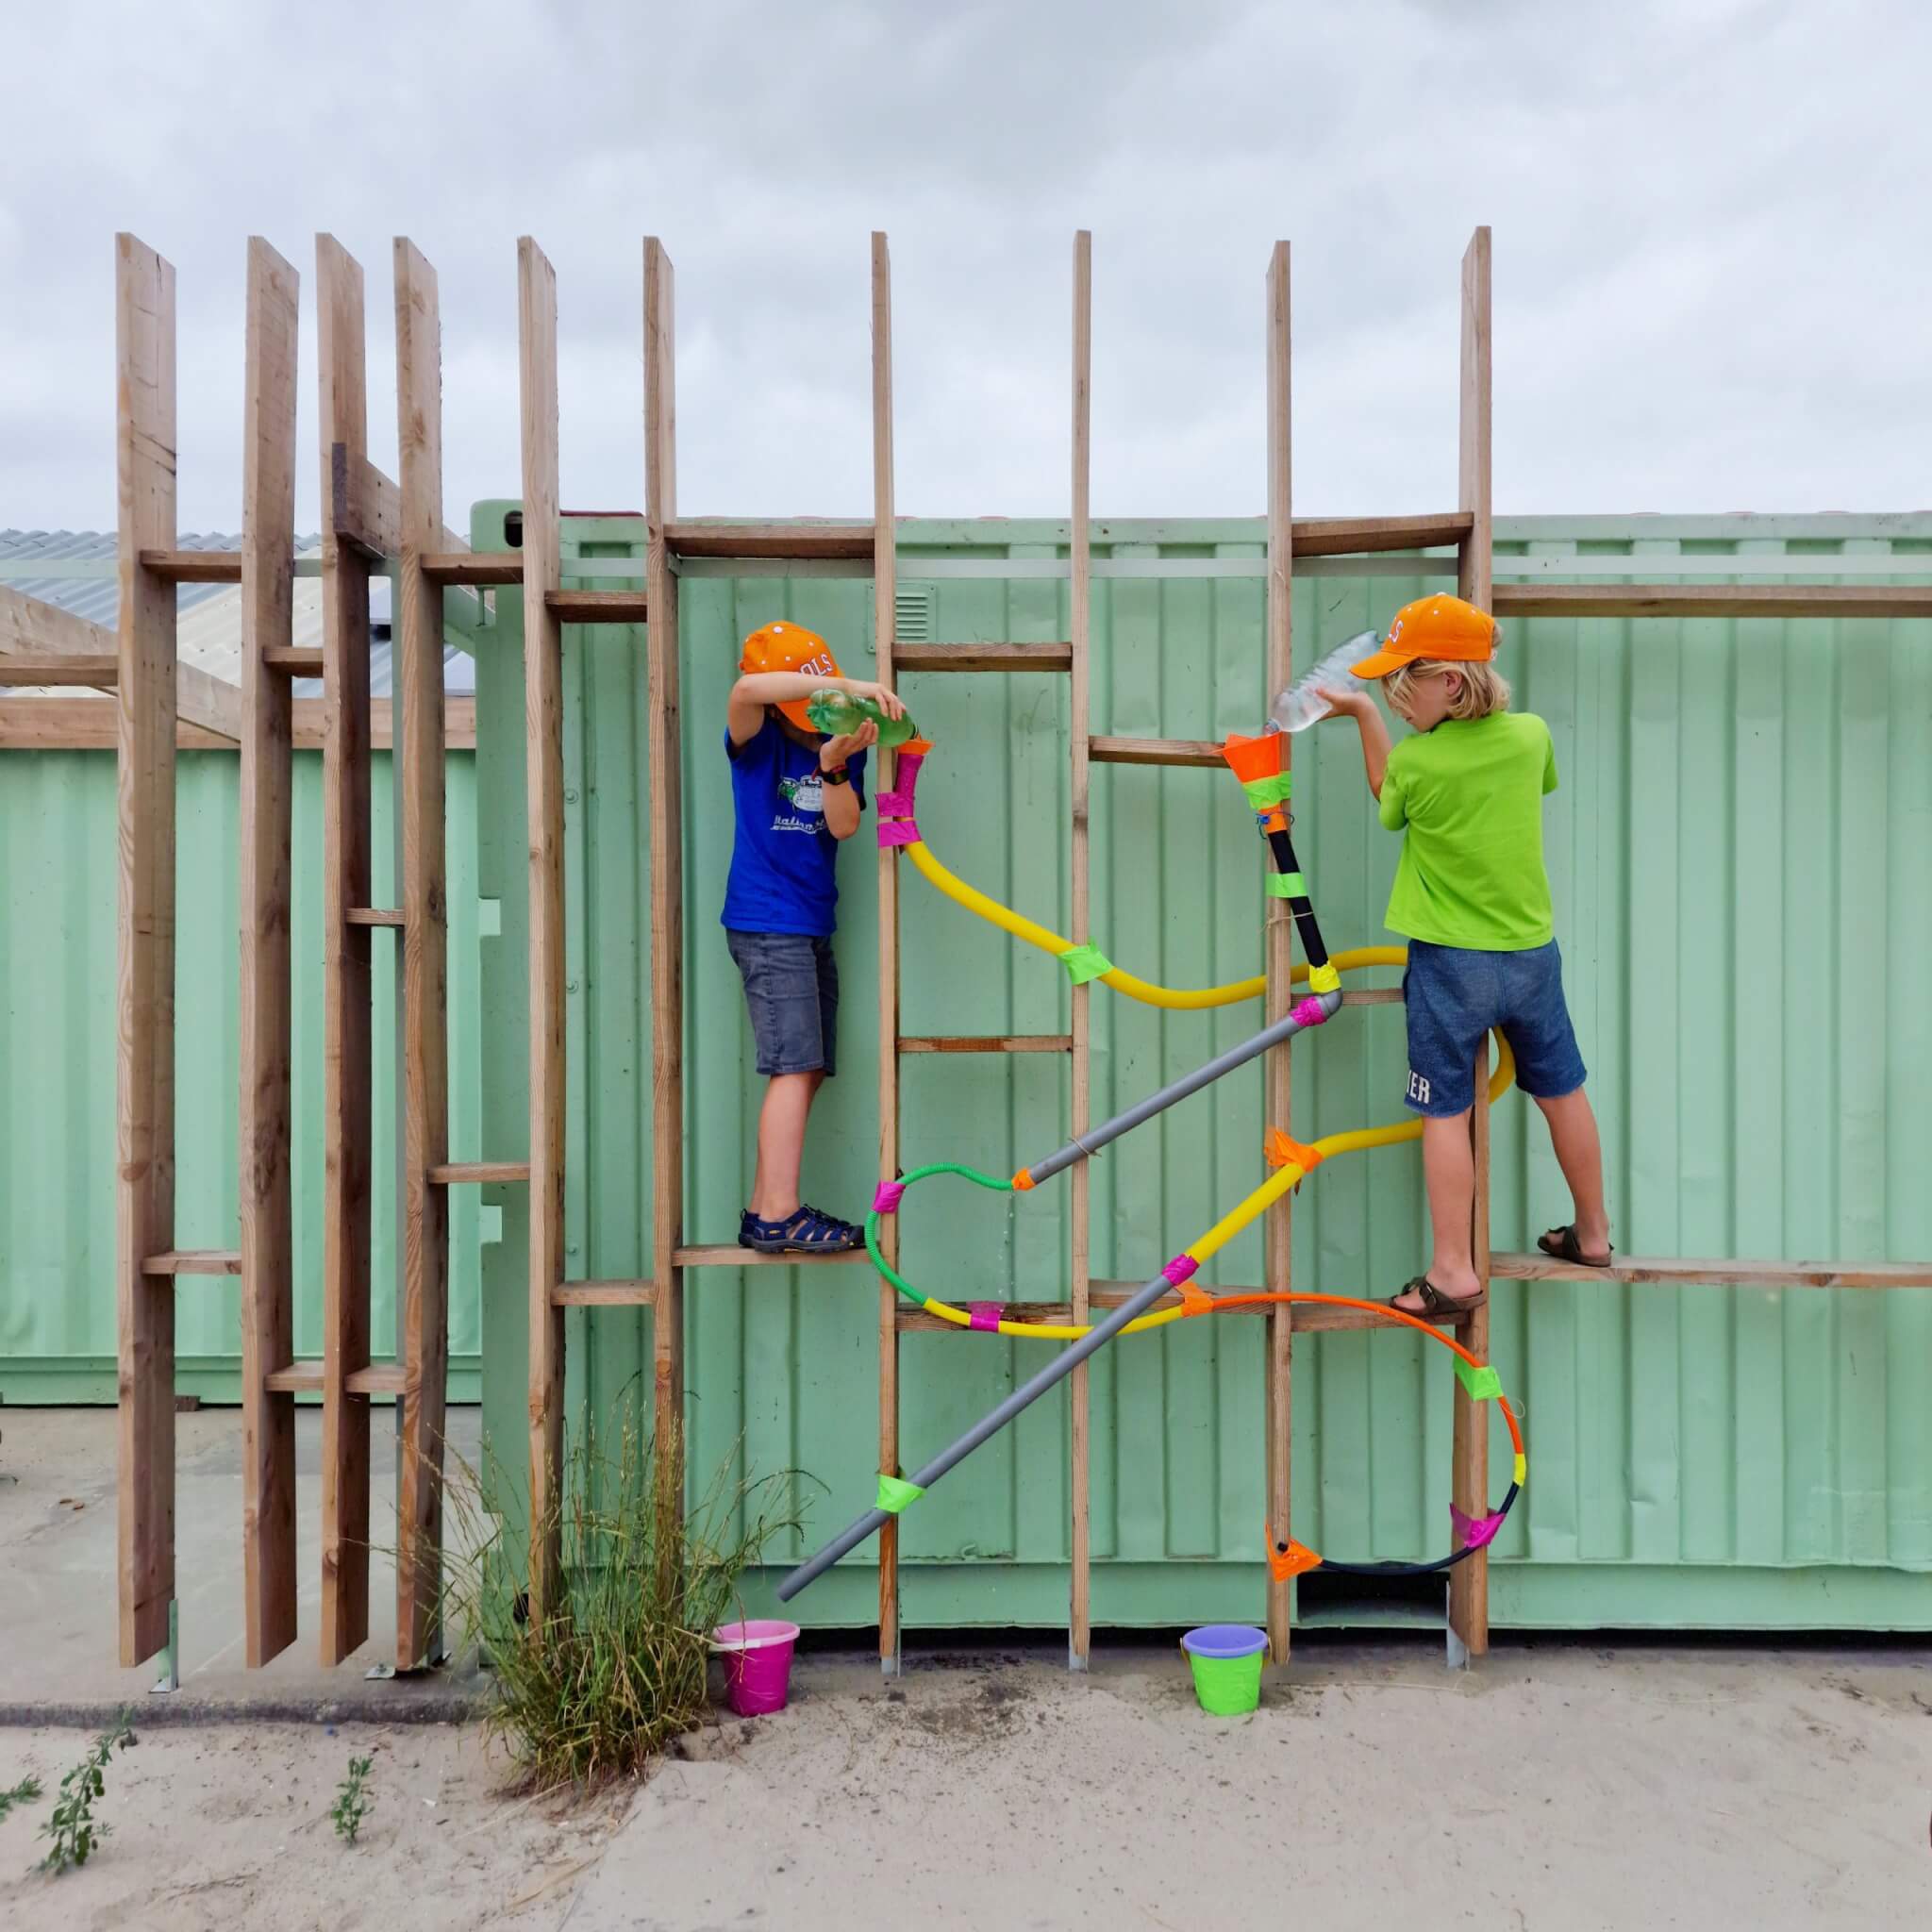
(1355, 536)
(101, 672)
(1312, 1318)
(305, 1379)
(603, 1295)
(293, 659)
(1156, 751)
(982, 656)
(449, 1173)
(298, 1378)
(1373, 997)
(195, 1261)
(731, 1256)
(373, 915)
(598, 606)
(193, 566)
(87, 724)
(1712, 600)
(799, 540)
(473, 567)
(1687, 1273)
(990, 1042)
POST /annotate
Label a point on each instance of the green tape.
(894, 1494)
(1273, 789)
(1084, 963)
(1484, 1384)
(1287, 885)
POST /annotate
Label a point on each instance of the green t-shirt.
(1471, 794)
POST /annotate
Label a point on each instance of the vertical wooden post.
(1278, 944)
(144, 1126)
(885, 592)
(1468, 1582)
(1079, 1623)
(346, 990)
(543, 794)
(423, 1339)
(268, 1260)
(667, 873)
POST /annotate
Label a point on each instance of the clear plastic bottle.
(1301, 704)
(837, 713)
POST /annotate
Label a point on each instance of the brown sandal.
(1435, 1304)
(1560, 1245)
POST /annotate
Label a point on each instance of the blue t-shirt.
(782, 855)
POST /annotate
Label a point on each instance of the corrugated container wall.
(1742, 852)
(59, 881)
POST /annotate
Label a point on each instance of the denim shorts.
(1454, 996)
(792, 988)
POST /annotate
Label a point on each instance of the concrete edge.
(172, 1712)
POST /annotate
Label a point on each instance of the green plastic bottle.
(838, 713)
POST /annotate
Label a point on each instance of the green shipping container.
(1742, 852)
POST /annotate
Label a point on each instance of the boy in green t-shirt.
(1473, 898)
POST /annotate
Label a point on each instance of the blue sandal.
(807, 1232)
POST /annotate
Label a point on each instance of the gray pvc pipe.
(1097, 1137)
(988, 1426)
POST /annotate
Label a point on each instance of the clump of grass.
(74, 1828)
(352, 1801)
(24, 1793)
(617, 1666)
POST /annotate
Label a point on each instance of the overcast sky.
(1713, 249)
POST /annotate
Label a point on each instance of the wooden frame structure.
(374, 524)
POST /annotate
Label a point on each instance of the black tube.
(1282, 845)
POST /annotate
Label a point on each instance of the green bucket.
(1227, 1663)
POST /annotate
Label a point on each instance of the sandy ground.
(1557, 1786)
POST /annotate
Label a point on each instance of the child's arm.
(1359, 706)
(745, 710)
(841, 801)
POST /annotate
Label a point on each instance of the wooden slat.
(1373, 997)
(1473, 576)
(144, 1123)
(422, 1323)
(454, 1173)
(381, 1378)
(879, 546)
(267, 826)
(171, 566)
(542, 559)
(29, 628)
(1080, 574)
(598, 606)
(87, 724)
(1306, 1317)
(101, 672)
(984, 657)
(292, 662)
(990, 1043)
(1468, 1480)
(1355, 536)
(725, 1254)
(1156, 751)
(194, 1261)
(473, 567)
(298, 1378)
(603, 1295)
(789, 541)
(1688, 1270)
(365, 512)
(1278, 944)
(1712, 600)
(663, 751)
(372, 915)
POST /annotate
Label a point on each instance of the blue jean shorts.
(792, 988)
(1454, 995)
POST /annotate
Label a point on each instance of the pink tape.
(1180, 1268)
(1473, 1532)
(1310, 1011)
(898, 832)
(908, 773)
(887, 1200)
(985, 1315)
(896, 805)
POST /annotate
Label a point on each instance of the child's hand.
(887, 701)
(835, 751)
(1344, 703)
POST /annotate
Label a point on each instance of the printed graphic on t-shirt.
(806, 798)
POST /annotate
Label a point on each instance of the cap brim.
(796, 711)
(1379, 665)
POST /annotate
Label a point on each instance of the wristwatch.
(836, 774)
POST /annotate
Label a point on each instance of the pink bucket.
(757, 1663)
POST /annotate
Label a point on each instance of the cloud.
(1710, 278)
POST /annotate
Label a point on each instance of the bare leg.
(781, 1144)
(1580, 1155)
(1449, 1173)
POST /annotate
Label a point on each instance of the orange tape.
(1290, 1559)
(1023, 1182)
(1195, 1301)
(1282, 1149)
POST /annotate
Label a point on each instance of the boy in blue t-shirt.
(795, 794)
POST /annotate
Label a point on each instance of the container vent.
(912, 616)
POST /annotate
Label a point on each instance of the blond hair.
(1484, 687)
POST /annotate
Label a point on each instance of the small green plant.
(24, 1793)
(353, 1802)
(618, 1666)
(73, 1827)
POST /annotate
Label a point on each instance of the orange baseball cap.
(788, 646)
(1438, 627)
